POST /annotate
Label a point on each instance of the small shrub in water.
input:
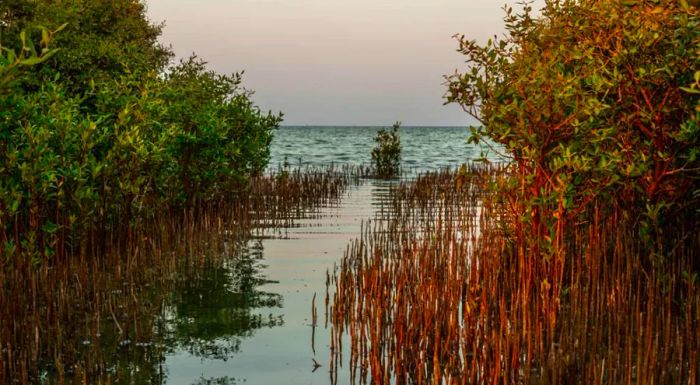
(386, 155)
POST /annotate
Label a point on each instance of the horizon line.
(374, 125)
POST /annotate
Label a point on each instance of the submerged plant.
(386, 155)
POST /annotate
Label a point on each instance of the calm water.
(249, 320)
(259, 332)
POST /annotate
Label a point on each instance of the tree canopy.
(102, 40)
(593, 99)
(104, 132)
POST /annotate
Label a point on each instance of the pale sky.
(335, 62)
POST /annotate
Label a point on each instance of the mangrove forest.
(158, 225)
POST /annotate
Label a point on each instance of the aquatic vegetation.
(89, 156)
(130, 190)
(592, 108)
(190, 281)
(386, 155)
(73, 180)
(577, 262)
(437, 290)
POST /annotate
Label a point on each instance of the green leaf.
(32, 61)
(60, 28)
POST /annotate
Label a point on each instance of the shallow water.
(262, 333)
(290, 268)
(264, 330)
(247, 317)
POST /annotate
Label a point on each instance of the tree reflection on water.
(213, 307)
(216, 381)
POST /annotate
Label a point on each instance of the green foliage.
(11, 61)
(150, 147)
(386, 155)
(590, 98)
(90, 154)
(219, 130)
(102, 40)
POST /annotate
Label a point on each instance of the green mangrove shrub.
(86, 157)
(589, 97)
(386, 154)
(221, 137)
(102, 40)
(11, 62)
(595, 101)
(71, 175)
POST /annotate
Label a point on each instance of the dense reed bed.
(100, 318)
(440, 289)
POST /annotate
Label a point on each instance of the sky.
(335, 62)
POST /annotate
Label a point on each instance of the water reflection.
(202, 308)
(217, 381)
(179, 310)
(219, 303)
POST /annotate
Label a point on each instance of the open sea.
(423, 148)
